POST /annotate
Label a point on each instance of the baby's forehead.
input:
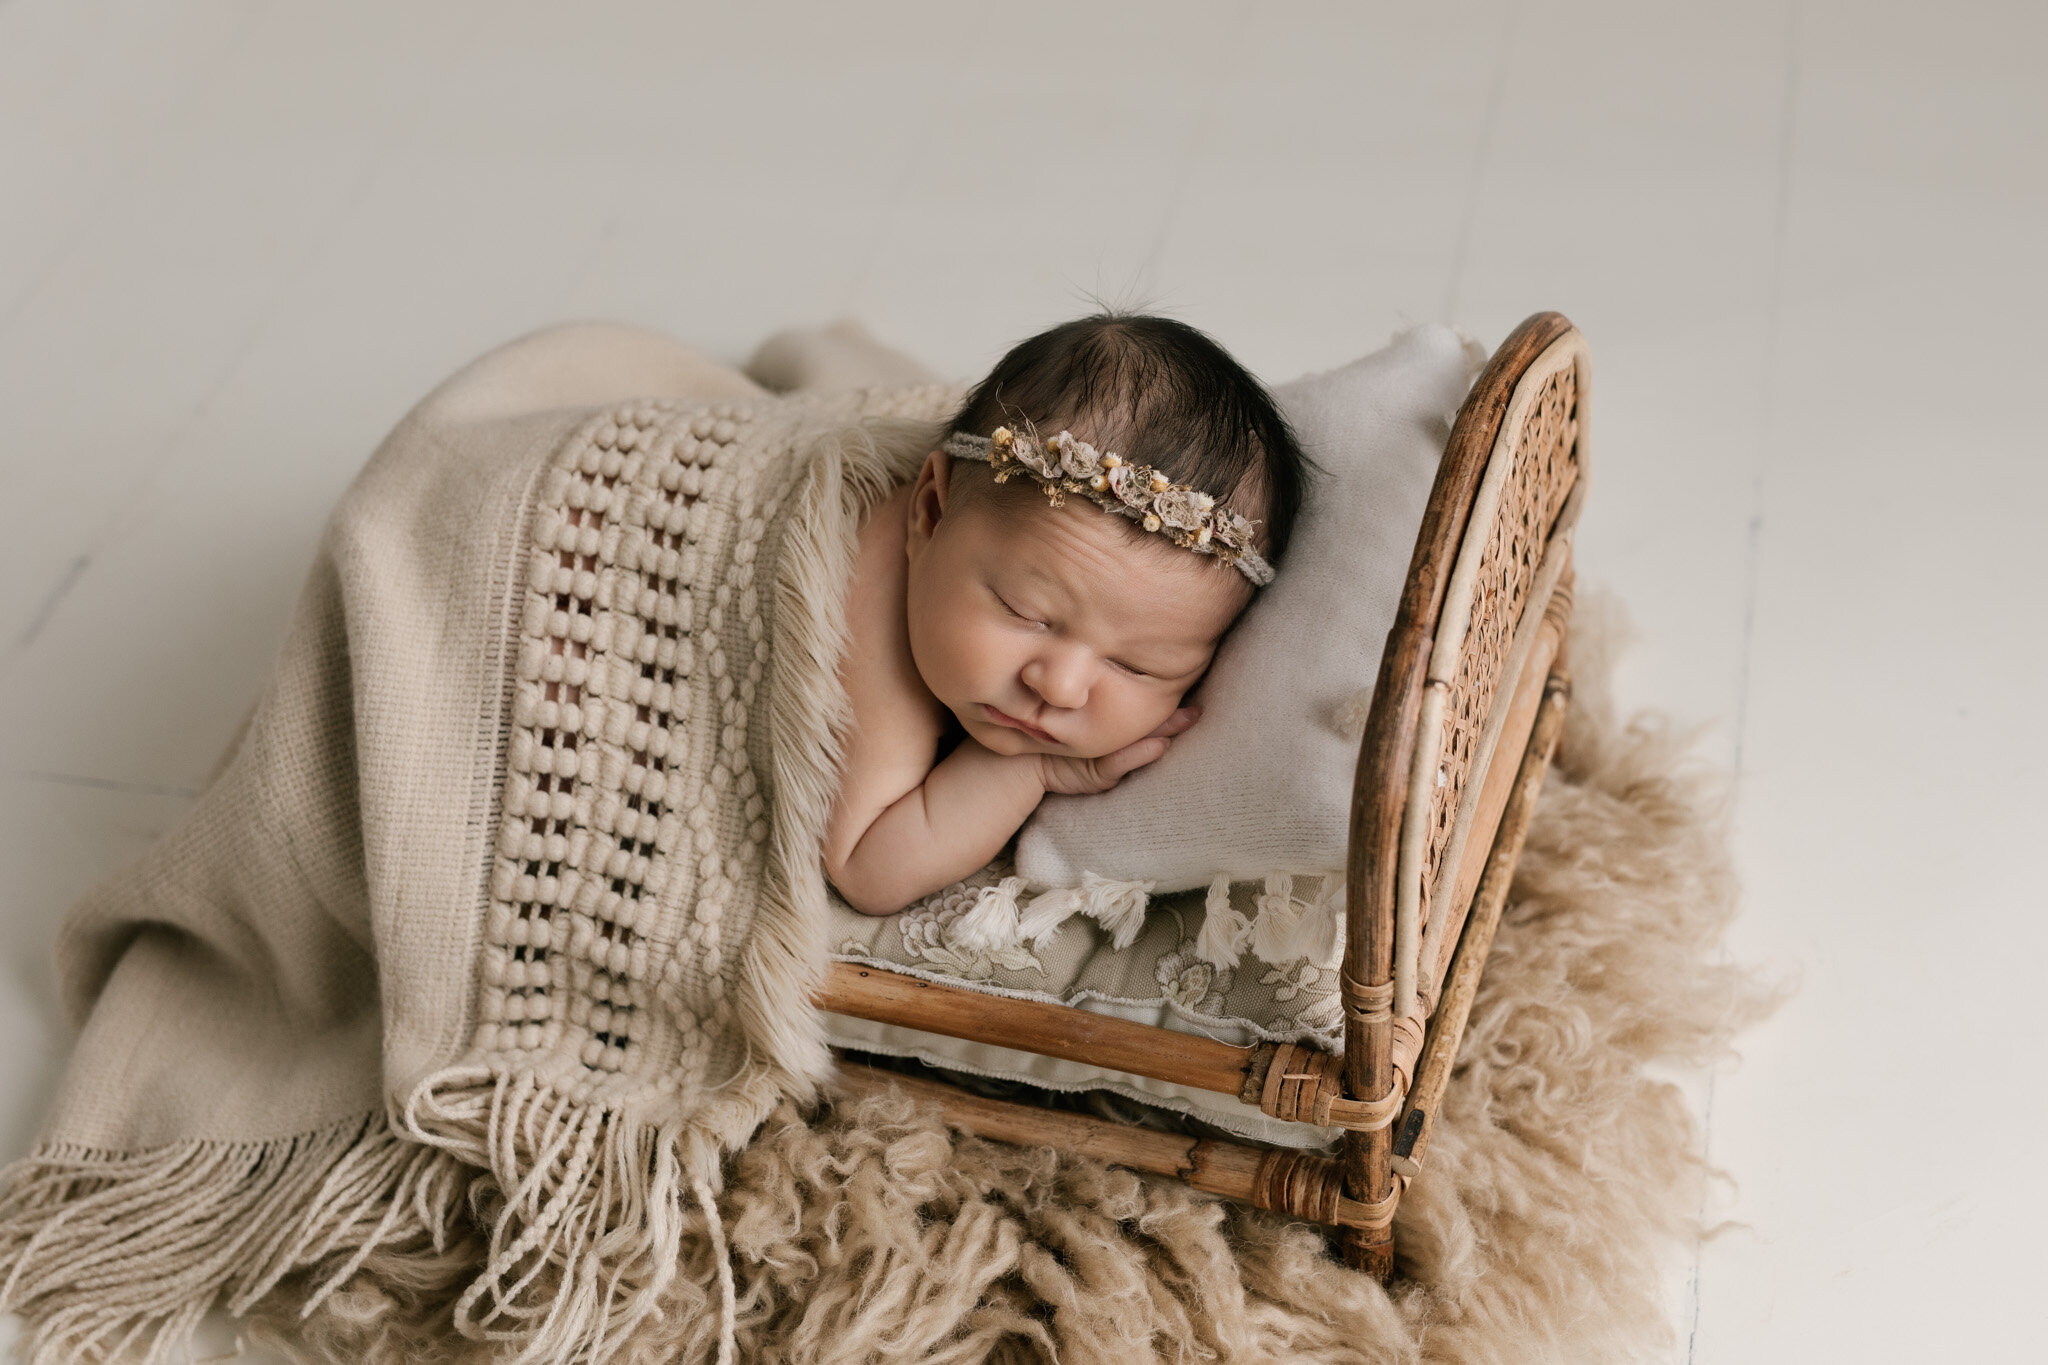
(1083, 558)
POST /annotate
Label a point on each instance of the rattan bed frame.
(1474, 670)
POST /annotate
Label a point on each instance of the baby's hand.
(1087, 776)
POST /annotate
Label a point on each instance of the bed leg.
(1367, 1162)
(1371, 1252)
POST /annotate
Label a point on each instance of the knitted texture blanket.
(495, 925)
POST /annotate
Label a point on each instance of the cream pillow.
(1263, 782)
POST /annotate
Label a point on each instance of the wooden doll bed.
(1466, 711)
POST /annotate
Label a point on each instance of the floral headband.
(1065, 464)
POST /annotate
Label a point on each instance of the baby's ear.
(928, 498)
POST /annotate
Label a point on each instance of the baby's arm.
(958, 816)
(952, 820)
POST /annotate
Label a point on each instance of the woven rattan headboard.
(1495, 543)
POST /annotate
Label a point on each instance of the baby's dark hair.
(1156, 392)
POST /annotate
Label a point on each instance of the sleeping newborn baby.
(1029, 614)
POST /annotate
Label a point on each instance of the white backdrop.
(237, 238)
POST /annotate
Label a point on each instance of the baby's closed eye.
(1011, 608)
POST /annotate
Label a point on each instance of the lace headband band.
(1065, 464)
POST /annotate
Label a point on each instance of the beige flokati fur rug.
(1554, 1192)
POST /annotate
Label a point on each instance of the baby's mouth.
(1005, 718)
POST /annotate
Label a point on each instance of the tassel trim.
(1289, 929)
(990, 924)
(1119, 907)
(1047, 913)
(1225, 930)
(113, 1255)
(994, 922)
(560, 1282)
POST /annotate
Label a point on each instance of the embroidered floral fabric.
(1159, 979)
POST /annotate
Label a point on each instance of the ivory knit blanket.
(497, 922)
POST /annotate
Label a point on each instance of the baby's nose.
(1060, 678)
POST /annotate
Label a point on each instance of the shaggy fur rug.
(1557, 1183)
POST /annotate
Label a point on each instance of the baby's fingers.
(1179, 723)
(1112, 767)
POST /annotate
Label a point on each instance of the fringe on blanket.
(114, 1255)
(552, 1182)
(569, 1176)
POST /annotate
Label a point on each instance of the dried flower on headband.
(1066, 464)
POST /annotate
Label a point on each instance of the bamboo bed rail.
(1299, 1184)
(1293, 1082)
(1038, 1026)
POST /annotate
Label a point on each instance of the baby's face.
(1055, 630)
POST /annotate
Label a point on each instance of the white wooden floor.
(1805, 240)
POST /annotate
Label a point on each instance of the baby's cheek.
(947, 655)
(1135, 717)
(981, 662)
